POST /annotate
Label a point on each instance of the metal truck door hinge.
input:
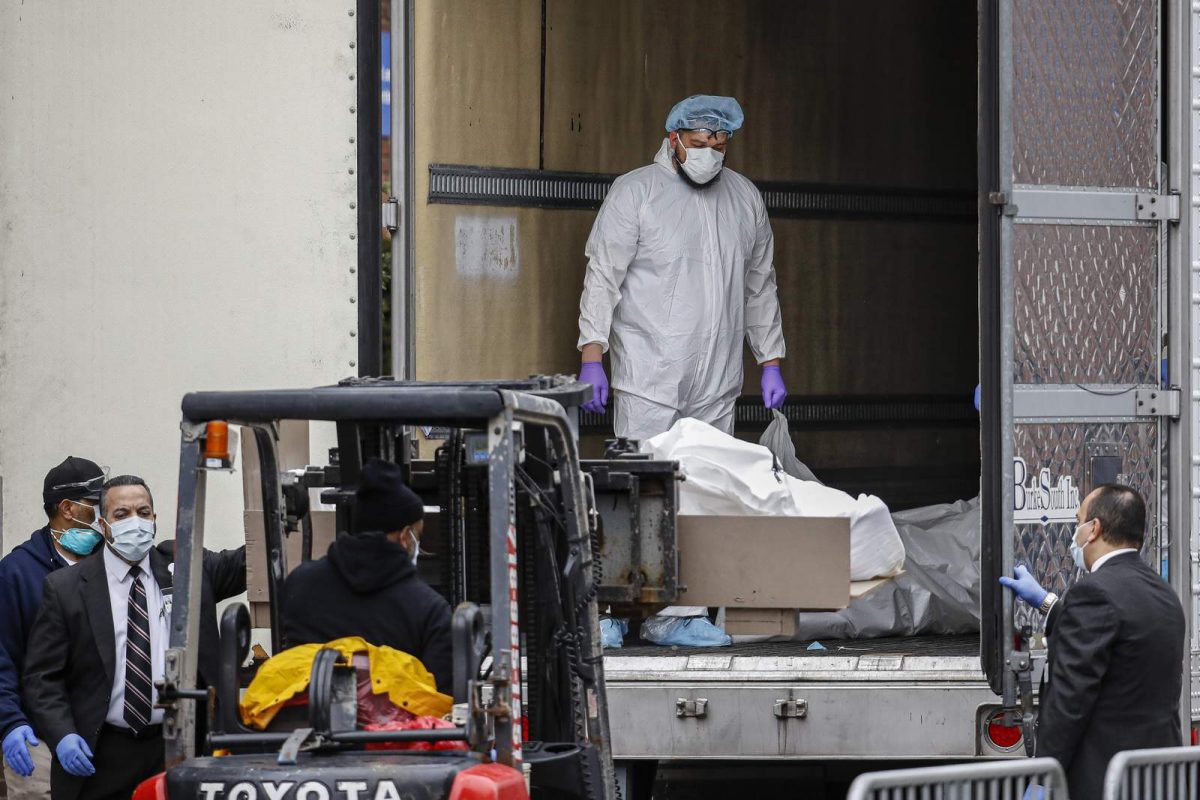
(697, 709)
(1153, 207)
(391, 214)
(1000, 199)
(1153, 402)
(1087, 205)
(791, 708)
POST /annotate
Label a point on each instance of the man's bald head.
(1120, 514)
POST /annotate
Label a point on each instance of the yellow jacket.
(407, 683)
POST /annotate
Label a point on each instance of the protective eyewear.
(715, 137)
(90, 485)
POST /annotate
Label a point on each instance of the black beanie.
(382, 502)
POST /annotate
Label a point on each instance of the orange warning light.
(216, 441)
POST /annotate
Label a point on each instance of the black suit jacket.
(1116, 670)
(70, 658)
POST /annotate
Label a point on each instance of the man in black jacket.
(367, 584)
(97, 649)
(1115, 646)
(70, 493)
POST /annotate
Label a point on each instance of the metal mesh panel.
(1067, 450)
(1160, 774)
(995, 780)
(1080, 284)
(1085, 85)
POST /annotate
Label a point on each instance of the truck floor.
(956, 646)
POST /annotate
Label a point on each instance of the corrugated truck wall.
(491, 283)
(880, 94)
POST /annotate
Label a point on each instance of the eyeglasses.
(717, 137)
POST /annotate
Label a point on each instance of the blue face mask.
(80, 541)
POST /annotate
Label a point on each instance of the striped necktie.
(139, 688)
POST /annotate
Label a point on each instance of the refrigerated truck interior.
(959, 193)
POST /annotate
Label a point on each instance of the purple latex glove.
(593, 372)
(773, 390)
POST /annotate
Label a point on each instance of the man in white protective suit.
(679, 272)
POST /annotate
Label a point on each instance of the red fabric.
(376, 709)
(413, 724)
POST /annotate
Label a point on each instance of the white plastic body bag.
(728, 477)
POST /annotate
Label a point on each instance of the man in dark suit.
(100, 717)
(1115, 646)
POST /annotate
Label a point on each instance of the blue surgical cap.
(706, 111)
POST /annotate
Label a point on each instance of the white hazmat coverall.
(676, 277)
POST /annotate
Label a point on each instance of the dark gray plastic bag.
(778, 440)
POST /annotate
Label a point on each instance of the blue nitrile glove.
(593, 372)
(74, 754)
(1034, 792)
(16, 752)
(1026, 587)
(773, 390)
(978, 387)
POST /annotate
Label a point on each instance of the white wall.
(176, 213)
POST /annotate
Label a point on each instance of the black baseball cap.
(74, 479)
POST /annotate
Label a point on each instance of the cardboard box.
(863, 588)
(760, 621)
(765, 562)
(782, 621)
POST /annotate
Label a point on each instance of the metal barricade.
(1166, 773)
(983, 780)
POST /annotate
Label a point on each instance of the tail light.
(153, 788)
(1002, 734)
(486, 782)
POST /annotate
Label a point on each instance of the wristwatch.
(1048, 603)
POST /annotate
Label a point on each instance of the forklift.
(518, 559)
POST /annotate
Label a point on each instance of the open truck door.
(1074, 217)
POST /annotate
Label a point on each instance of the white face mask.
(1076, 548)
(703, 163)
(132, 538)
(416, 551)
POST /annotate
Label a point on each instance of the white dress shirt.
(119, 584)
(1102, 560)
